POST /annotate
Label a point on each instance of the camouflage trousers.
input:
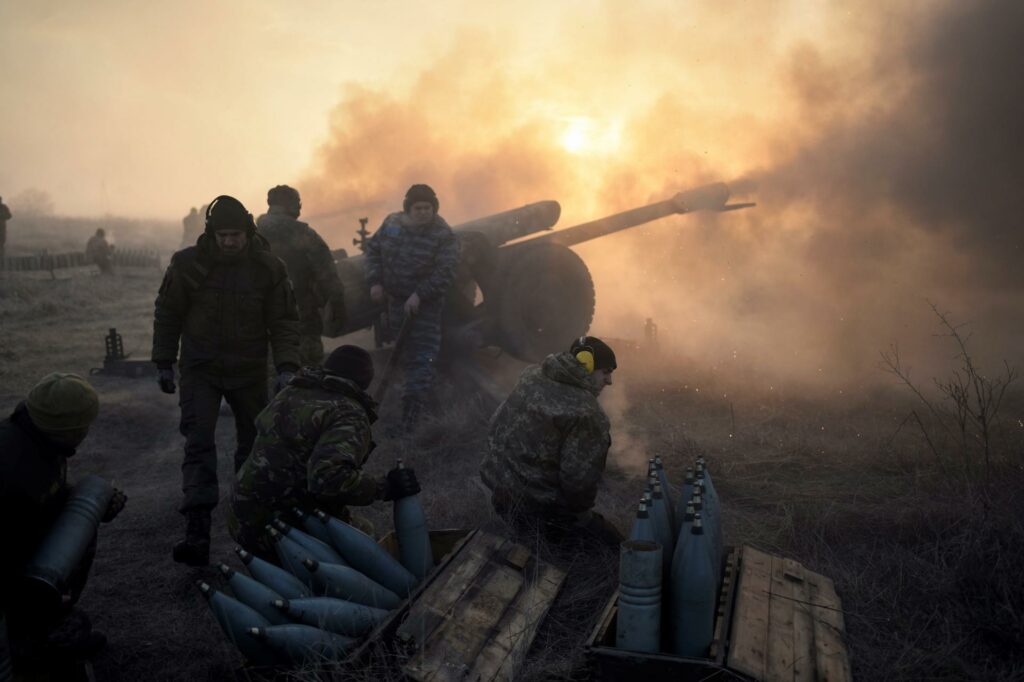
(311, 350)
(200, 399)
(421, 350)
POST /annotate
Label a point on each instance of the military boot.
(194, 550)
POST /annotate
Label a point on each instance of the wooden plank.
(723, 609)
(748, 651)
(780, 626)
(452, 647)
(804, 659)
(435, 602)
(505, 651)
(831, 660)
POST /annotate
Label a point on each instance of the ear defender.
(585, 355)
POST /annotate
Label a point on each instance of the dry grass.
(928, 574)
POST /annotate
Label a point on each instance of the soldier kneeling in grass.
(312, 441)
(548, 443)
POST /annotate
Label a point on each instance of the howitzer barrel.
(519, 222)
(708, 197)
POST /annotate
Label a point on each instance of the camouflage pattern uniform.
(406, 259)
(312, 272)
(312, 441)
(224, 310)
(547, 444)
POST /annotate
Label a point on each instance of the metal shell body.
(639, 619)
(364, 554)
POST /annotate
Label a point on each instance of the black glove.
(115, 506)
(166, 379)
(400, 483)
(282, 380)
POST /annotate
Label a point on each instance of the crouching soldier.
(312, 441)
(35, 444)
(548, 442)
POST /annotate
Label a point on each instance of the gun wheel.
(546, 299)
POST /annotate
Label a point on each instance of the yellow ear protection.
(585, 354)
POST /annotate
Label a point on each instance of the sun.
(584, 135)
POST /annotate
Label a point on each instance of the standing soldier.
(100, 252)
(411, 261)
(5, 215)
(224, 299)
(193, 228)
(310, 268)
(311, 444)
(548, 442)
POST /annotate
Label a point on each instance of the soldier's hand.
(401, 483)
(114, 507)
(412, 304)
(165, 377)
(282, 380)
(377, 293)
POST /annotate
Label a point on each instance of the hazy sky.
(147, 108)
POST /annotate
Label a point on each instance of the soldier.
(100, 252)
(193, 228)
(411, 261)
(547, 445)
(310, 268)
(35, 444)
(311, 444)
(5, 215)
(224, 298)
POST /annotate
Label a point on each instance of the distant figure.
(310, 268)
(5, 215)
(36, 442)
(222, 302)
(312, 442)
(411, 261)
(547, 446)
(193, 223)
(98, 251)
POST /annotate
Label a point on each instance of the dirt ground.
(815, 476)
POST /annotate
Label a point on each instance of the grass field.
(926, 562)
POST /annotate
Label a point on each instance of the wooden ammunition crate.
(474, 617)
(775, 621)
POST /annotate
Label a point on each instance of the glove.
(282, 380)
(165, 377)
(114, 507)
(400, 483)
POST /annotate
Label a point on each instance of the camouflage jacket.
(311, 443)
(310, 265)
(224, 311)
(407, 259)
(33, 487)
(97, 248)
(548, 441)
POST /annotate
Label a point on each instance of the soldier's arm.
(374, 267)
(282, 316)
(446, 263)
(325, 274)
(584, 452)
(334, 473)
(168, 317)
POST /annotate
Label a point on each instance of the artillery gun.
(536, 293)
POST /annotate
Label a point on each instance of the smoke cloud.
(880, 146)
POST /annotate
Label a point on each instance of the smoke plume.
(878, 144)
